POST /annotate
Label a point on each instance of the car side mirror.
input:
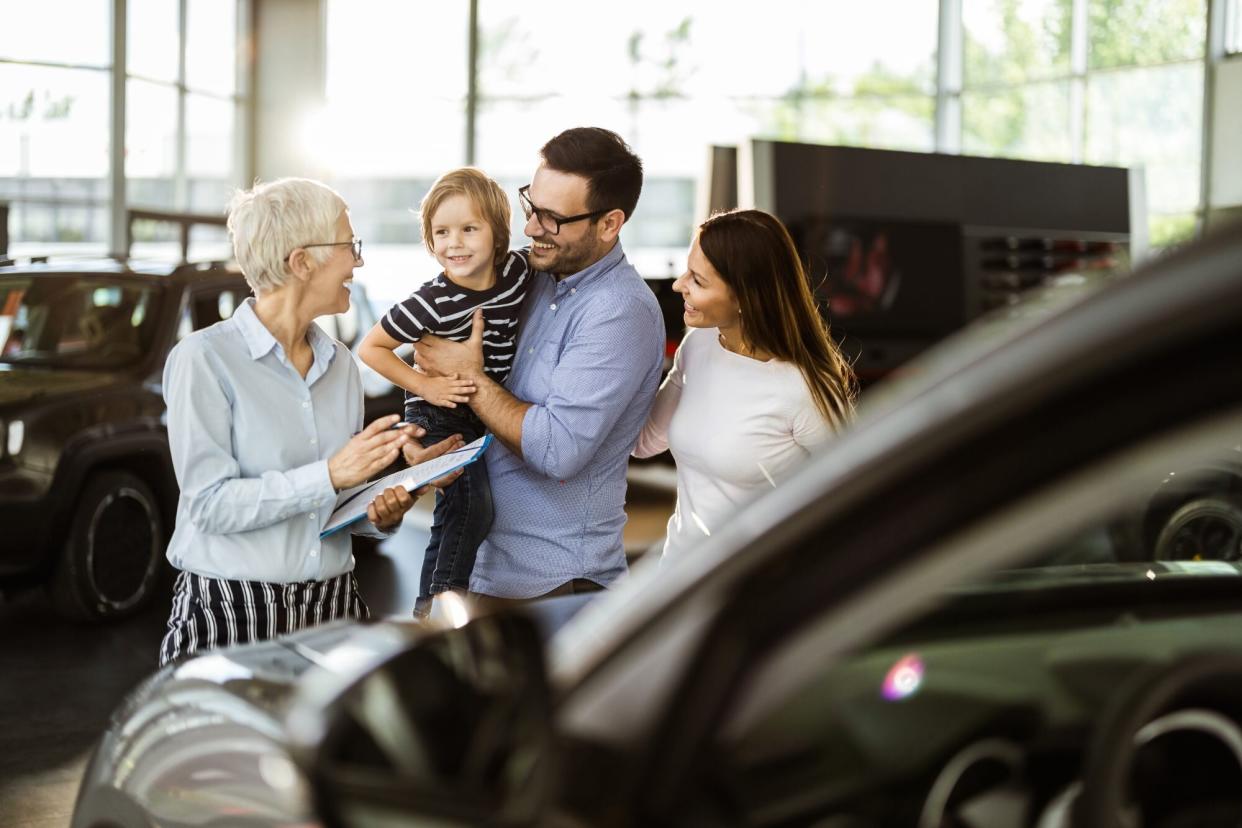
(454, 729)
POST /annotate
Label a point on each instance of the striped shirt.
(446, 309)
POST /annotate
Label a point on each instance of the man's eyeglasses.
(550, 221)
(356, 244)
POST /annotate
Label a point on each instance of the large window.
(56, 113)
(671, 76)
(1233, 25)
(182, 105)
(1121, 86)
(54, 119)
(674, 76)
(395, 119)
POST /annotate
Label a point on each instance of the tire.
(110, 564)
(1207, 528)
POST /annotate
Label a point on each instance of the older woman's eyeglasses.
(356, 244)
(550, 221)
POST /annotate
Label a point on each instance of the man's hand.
(445, 357)
(447, 392)
(415, 455)
(386, 511)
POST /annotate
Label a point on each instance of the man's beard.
(571, 259)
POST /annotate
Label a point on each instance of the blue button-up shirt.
(589, 357)
(250, 440)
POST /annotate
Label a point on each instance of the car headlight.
(16, 435)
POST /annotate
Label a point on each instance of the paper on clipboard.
(351, 504)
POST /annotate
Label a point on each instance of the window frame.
(119, 203)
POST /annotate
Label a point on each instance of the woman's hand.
(447, 392)
(415, 455)
(371, 450)
(386, 511)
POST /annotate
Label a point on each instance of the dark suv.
(87, 493)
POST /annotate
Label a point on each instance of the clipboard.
(351, 504)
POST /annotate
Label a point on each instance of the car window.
(206, 307)
(74, 321)
(1125, 566)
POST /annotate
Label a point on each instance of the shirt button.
(530, 350)
(314, 553)
(552, 306)
(306, 404)
(573, 290)
(311, 516)
(313, 441)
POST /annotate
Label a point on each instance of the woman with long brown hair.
(756, 384)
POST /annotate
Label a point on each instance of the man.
(588, 363)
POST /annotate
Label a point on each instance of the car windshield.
(70, 321)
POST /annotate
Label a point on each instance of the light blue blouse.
(250, 440)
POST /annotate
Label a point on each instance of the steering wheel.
(1126, 724)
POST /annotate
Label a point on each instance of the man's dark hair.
(613, 172)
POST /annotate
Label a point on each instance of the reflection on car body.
(935, 622)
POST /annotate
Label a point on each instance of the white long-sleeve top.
(735, 427)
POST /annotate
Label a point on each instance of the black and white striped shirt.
(443, 308)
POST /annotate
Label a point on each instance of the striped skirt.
(212, 612)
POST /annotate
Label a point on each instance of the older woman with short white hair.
(265, 424)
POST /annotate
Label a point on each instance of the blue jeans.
(463, 514)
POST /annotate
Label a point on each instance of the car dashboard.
(1006, 725)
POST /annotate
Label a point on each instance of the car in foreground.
(935, 622)
(87, 492)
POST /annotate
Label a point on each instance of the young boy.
(465, 223)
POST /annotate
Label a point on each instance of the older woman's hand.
(371, 450)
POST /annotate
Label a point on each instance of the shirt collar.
(260, 342)
(258, 338)
(592, 272)
(323, 345)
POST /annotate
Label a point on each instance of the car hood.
(20, 385)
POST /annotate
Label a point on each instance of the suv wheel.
(111, 559)
(1207, 529)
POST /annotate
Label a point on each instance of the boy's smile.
(463, 243)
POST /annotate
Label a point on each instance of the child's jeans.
(463, 512)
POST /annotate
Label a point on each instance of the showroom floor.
(60, 681)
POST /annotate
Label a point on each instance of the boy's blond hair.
(486, 196)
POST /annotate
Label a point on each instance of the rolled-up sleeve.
(595, 379)
(219, 499)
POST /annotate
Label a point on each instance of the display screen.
(887, 277)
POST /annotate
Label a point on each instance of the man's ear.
(610, 225)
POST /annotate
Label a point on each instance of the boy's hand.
(448, 391)
(415, 455)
